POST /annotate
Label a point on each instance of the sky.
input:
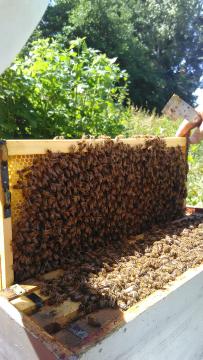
(199, 93)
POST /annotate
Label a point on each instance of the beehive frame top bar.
(29, 147)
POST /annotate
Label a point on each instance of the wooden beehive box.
(137, 324)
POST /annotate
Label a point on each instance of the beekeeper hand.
(186, 126)
(197, 135)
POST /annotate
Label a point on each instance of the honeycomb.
(16, 163)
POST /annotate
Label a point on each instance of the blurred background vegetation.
(106, 67)
(159, 43)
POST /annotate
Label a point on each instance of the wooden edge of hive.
(130, 314)
(50, 314)
(50, 341)
(28, 326)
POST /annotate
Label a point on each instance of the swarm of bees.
(98, 194)
(128, 272)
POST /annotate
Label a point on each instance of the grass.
(141, 122)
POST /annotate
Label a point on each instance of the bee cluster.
(97, 194)
(121, 275)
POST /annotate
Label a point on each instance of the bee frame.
(21, 152)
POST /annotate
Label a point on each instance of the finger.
(184, 128)
(199, 110)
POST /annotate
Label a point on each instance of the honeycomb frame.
(21, 153)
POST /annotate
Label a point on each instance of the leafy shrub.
(56, 91)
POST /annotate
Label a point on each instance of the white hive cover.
(18, 19)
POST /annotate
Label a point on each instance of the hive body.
(79, 210)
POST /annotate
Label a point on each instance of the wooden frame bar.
(30, 147)
(6, 254)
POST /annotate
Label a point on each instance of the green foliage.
(195, 176)
(158, 42)
(142, 122)
(56, 91)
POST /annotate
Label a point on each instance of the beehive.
(121, 331)
(20, 153)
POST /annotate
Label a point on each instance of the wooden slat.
(42, 297)
(24, 304)
(30, 147)
(6, 254)
(108, 320)
(53, 274)
(9, 294)
(61, 314)
(7, 275)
